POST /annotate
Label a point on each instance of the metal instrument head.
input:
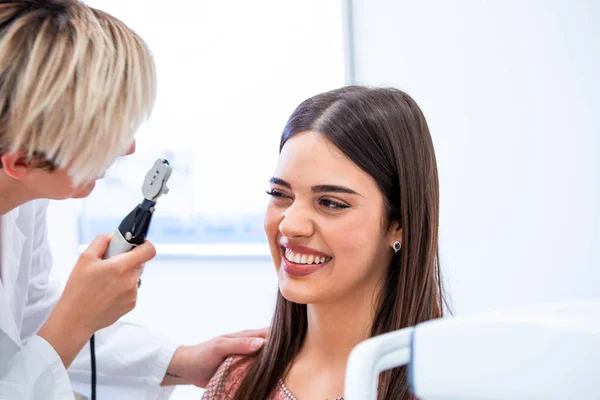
(155, 182)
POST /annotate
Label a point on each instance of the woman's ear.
(15, 164)
(394, 233)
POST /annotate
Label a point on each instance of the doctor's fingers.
(226, 346)
(251, 333)
(138, 270)
(135, 258)
(129, 288)
(98, 247)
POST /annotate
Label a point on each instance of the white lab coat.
(130, 360)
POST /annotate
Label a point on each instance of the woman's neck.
(334, 329)
(12, 193)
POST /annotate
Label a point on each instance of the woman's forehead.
(308, 158)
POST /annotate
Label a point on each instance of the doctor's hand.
(195, 365)
(96, 295)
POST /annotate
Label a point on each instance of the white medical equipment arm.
(373, 356)
(548, 351)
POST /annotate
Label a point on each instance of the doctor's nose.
(131, 149)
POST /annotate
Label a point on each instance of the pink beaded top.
(228, 379)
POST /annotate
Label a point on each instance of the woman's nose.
(296, 222)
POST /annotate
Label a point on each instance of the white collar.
(13, 241)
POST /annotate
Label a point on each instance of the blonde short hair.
(75, 83)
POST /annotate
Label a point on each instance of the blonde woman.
(75, 83)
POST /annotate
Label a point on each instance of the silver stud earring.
(397, 246)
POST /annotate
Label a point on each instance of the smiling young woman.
(352, 227)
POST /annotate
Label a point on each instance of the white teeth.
(304, 259)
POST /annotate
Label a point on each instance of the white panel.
(511, 93)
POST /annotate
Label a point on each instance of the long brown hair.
(384, 132)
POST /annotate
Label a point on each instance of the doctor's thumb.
(98, 247)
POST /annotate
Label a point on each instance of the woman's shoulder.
(228, 378)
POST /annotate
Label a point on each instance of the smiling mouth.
(305, 259)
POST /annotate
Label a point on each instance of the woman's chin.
(299, 295)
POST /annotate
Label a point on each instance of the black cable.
(93, 358)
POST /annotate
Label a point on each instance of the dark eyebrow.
(316, 189)
(280, 182)
(332, 189)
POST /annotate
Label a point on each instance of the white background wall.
(511, 94)
(511, 91)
